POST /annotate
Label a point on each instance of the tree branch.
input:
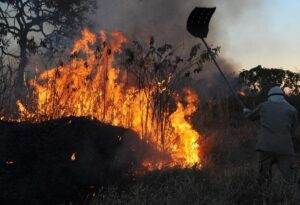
(11, 29)
(9, 54)
(21, 11)
(3, 16)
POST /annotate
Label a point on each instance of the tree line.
(259, 80)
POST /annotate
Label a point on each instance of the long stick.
(223, 75)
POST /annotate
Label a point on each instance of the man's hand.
(252, 114)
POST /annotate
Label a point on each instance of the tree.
(31, 24)
(260, 80)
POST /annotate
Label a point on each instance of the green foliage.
(260, 80)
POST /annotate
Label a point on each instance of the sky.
(268, 35)
(250, 32)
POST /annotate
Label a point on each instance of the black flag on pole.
(198, 21)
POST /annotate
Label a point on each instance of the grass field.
(228, 176)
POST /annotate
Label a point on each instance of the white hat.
(276, 90)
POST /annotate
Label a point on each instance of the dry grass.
(228, 177)
(192, 186)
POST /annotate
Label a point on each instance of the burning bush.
(137, 89)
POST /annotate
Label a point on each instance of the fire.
(92, 85)
(187, 144)
(73, 156)
(242, 93)
(9, 162)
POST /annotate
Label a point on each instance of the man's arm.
(253, 115)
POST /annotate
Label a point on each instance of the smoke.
(163, 19)
(210, 84)
(166, 21)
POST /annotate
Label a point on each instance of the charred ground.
(37, 166)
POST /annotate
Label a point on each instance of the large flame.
(91, 85)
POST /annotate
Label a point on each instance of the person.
(278, 121)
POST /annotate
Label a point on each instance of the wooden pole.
(223, 75)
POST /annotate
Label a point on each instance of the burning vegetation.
(114, 111)
(133, 89)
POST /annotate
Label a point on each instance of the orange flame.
(73, 156)
(242, 93)
(90, 85)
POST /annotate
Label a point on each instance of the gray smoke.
(166, 21)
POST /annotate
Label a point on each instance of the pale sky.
(267, 34)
